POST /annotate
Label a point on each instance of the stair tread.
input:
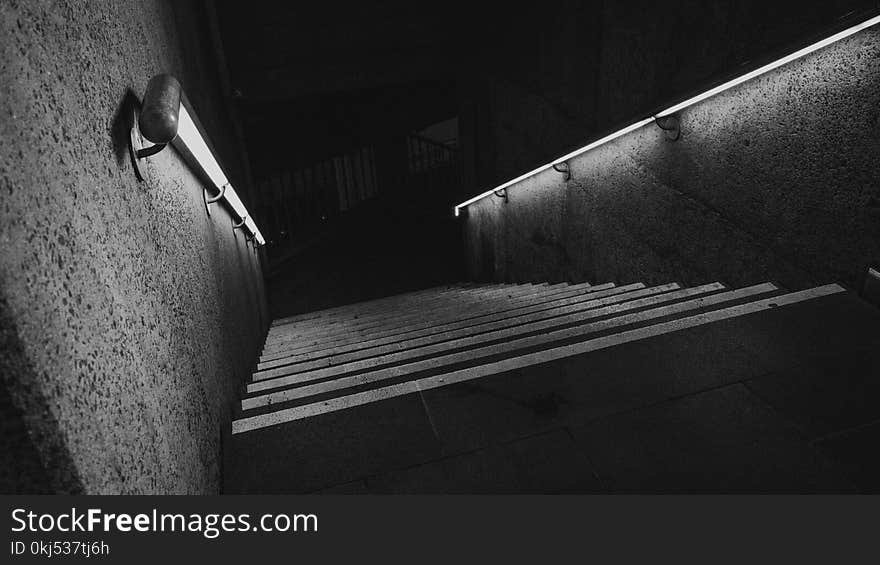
(378, 301)
(350, 310)
(417, 424)
(544, 320)
(481, 361)
(476, 329)
(471, 316)
(461, 325)
(421, 309)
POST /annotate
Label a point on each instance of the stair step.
(298, 331)
(385, 299)
(529, 350)
(460, 319)
(339, 356)
(353, 310)
(473, 327)
(392, 303)
(360, 435)
(435, 309)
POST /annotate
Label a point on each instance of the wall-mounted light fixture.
(166, 117)
(666, 118)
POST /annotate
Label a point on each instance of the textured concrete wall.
(776, 179)
(129, 316)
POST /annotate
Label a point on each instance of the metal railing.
(294, 202)
(666, 118)
(432, 166)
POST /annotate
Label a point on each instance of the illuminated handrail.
(167, 118)
(678, 107)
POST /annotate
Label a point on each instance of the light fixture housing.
(167, 117)
(191, 142)
(159, 116)
(674, 109)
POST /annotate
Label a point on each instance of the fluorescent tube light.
(542, 168)
(188, 134)
(682, 105)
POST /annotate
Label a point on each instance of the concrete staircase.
(565, 388)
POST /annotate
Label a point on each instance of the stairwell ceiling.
(314, 78)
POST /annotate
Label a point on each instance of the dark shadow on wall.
(21, 470)
(120, 127)
(33, 456)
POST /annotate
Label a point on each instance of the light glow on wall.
(188, 134)
(681, 106)
(549, 165)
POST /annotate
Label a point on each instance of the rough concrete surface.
(775, 179)
(135, 316)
